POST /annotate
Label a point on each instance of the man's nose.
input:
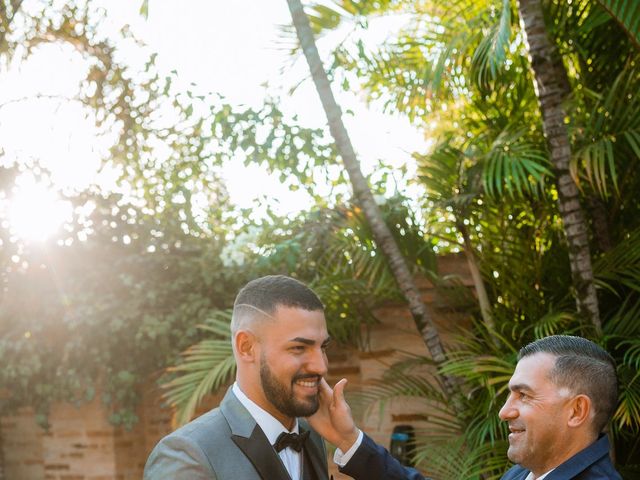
(318, 362)
(507, 412)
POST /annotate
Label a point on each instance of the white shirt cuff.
(341, 459)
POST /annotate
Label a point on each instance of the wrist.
(347, 441)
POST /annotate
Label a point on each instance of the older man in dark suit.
(279, 340)
(563, 392)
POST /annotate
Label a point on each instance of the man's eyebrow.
(308, 341)
(518, 387)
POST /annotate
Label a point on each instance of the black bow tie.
(292, 440)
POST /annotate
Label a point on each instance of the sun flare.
(35, 211)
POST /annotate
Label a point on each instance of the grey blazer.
(227, 444)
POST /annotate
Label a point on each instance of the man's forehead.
(533, 367)
(299, 319)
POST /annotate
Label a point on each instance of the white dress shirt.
(341, 458)
(272, 428)
(530, 476)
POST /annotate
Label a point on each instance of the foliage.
(111, 300)
(105, 310)
(626, 13)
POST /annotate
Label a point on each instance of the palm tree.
(425, 63)
(479, 49)
(362, 192)
(552, 89)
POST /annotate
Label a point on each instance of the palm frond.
(632, 355)
(553, 323)
(620, 267)
(206, 367)
(627, 414)
(442, 173)
(396, 383)
(623, 323)
(610, 141)
(488, 370)
(453, 459)
(492, 50)
(627, 14)
(411, 377)
(514, 166)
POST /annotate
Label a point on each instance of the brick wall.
(82, 445)
(22, 446)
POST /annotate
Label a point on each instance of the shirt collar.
(271, 426)
(530, 476)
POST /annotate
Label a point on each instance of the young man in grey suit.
(279, 337)
(562, 395)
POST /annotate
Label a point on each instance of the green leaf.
(490, 54)
(144, 9)
(627, 14)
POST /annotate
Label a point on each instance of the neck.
(257, 396)
(575, 444)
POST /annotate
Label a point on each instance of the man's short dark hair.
(265, 294)
(584, 368)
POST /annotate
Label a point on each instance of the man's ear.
(581, 408)
(246, 343)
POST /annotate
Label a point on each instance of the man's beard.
(282, 397)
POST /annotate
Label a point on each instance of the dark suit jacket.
(592, 463)
(372, 462)
(227, 444)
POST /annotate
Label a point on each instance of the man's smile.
(310, 383)
(515, 432)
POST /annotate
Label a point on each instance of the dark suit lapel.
(314, 463)
(250, 438)
(308, 472)
(262, 455)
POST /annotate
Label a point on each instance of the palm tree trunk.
(552, 89)
(363, 194)
(478, 282)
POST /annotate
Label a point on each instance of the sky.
(232, 48)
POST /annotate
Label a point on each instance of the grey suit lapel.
(250, 438)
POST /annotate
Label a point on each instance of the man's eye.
(298, 348)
